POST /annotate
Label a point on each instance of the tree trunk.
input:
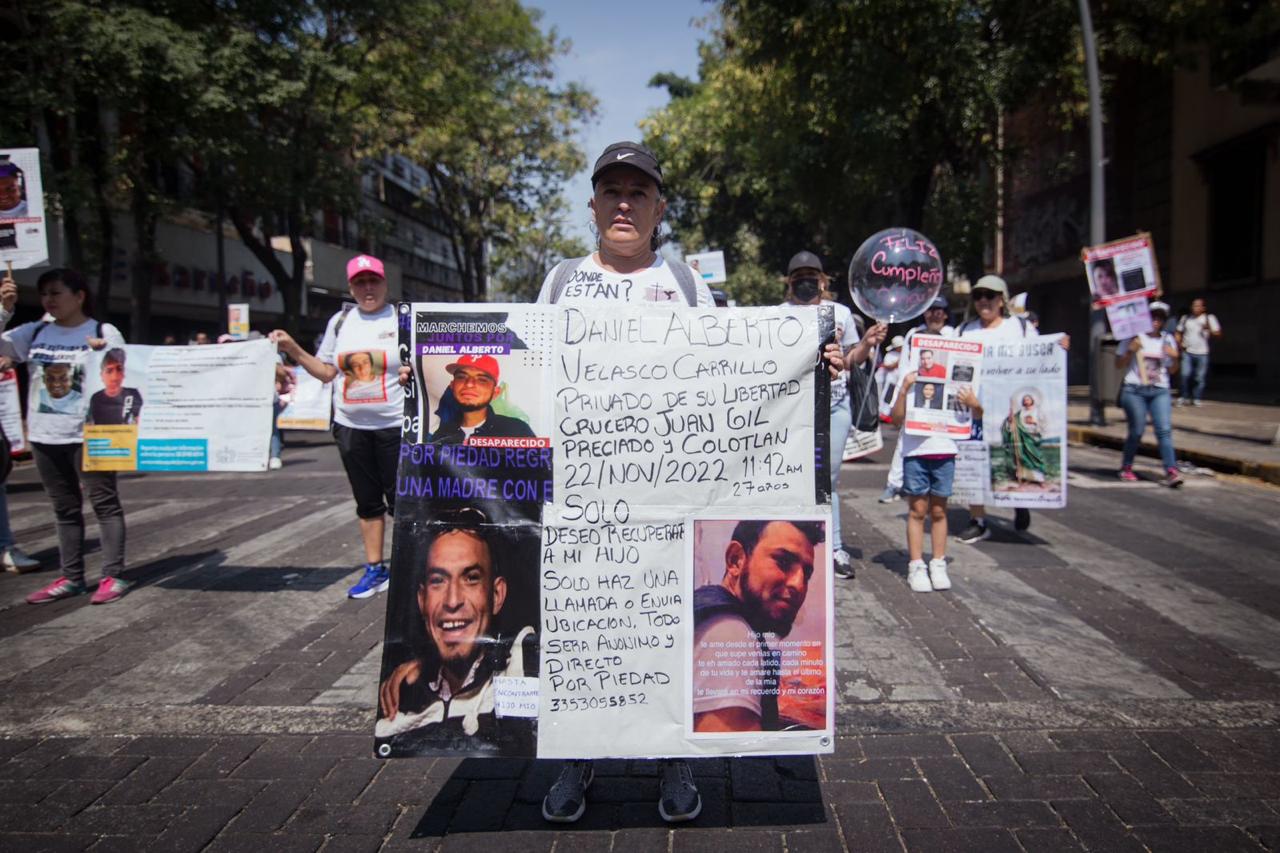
(289, 283)
(145, 219)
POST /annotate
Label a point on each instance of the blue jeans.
(277, 440)
(1138, 402)
(841, 423)
(1194, 370)
(6, 533)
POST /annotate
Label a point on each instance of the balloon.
(895, 274)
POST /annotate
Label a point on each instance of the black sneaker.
(567, 799)
(843, 563)
(975, 532)
(678, 799)
(1021, 518)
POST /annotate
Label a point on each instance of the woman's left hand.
(96, 343)
(1065, 342)
(835, 359)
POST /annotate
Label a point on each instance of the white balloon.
(895, 274)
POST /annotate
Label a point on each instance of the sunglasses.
(979, 295)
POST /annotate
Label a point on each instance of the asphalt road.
(1106, 681)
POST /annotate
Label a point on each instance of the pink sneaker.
(59, 589)
(110, 589)
(1172, 479)
(1126, 474)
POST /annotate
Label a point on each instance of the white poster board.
(943, 368)
(709, 265)
(185, 408)
(24, 240)
(1121, 269)
(307, 406)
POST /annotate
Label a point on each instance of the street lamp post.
(1097, 208)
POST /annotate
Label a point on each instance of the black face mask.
(805, 289)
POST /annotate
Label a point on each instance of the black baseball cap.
(631, 154)
(804, 260)
(939, 302)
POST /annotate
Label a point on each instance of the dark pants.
(59, 467)
(370, 457)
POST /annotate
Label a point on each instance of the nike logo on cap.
(625, 156)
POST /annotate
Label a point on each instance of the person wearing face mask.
(806, 284)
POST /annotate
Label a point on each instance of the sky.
(616, 49)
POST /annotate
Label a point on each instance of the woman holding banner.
(1145, 392)
(58, 348)
(368, 406)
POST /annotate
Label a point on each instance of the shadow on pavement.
(492, 795)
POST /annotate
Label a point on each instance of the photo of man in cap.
(466, 407)
(444, 697)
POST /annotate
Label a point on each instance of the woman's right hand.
(405, 375)
(285, 342)
(8, 293)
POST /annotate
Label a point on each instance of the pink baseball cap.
(365, 263)
(484, 363)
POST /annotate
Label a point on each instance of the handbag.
(864, 397)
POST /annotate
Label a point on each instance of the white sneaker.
(918, 577)
(274, 464)
(938, 573)
(14, 559)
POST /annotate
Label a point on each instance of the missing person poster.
(306, 404)
(944, 367)
(1129, 317)
(612, 534)
(193, 408)
(24, 240)
(1121, 269)
(1024, 424)
(709, 266)
(238, 320)
(11, 412)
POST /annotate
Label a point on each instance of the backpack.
(683, 272)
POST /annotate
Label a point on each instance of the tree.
(521, 261)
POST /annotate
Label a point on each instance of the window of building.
(1236, 185)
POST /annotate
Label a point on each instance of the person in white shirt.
(1195, 331)
(1145, 392)
(993, 325)
(368, 409)
(57, 434)
(806, 284)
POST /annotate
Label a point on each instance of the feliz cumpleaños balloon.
(895, 274)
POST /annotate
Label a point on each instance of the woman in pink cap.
(356, 352)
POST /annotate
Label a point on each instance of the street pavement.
(1106, 681)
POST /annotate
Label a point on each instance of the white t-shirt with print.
(55, 357)
(1157, 360)
(1196, 332)
(366, 351)
(591, 283)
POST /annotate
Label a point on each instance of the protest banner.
(11, 412)
(973, 474)
(1121, 269)
(580, 492)
(24, 240)
(1024, 423)
(860, 444)
(307, 405)
(943, 368)
(193, 408)
(1129, 316)
(709, 265)
(238, 320)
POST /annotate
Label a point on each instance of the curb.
(1266, 471)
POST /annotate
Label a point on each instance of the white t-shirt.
(55, 367)
(739, 652)
(366, 351)
(1156, 359)
(1196, 332)
(590, 282)
(921, 445)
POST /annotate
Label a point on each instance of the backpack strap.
(686, 279)
(346, 309)
(1025, 324)
(40, 328)
(560, 277)
(98, 332)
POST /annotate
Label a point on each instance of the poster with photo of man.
(943, 367)
(1121, 270)
(24, 239)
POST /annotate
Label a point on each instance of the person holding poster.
(993, 325)
(358, 345)
(806, 284)
(57, 432)
(928, 472)
(935, 323)
(1145, 392)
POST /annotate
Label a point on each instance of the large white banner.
(1024, 423)
(612, 534)
(192, 408)
(24, 241)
